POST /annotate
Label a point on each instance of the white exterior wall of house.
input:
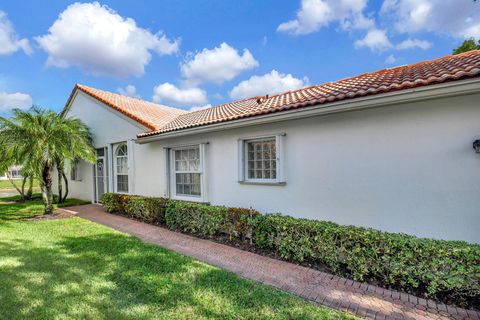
(401, 168)
(13, 172)
(108, 127)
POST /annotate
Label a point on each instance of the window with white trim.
(121, 168)
(187, 172)
(75, 171)
(261, 160)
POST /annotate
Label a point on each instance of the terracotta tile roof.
(151, 115)
(449, 68)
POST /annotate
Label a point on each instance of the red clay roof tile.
(449, 68)
(151, 115)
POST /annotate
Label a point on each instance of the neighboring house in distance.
(391, 150)
(13, 172)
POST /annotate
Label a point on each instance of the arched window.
(121, 168)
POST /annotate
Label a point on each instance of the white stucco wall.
(405, 168)
(107, 127)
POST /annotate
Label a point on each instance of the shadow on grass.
(12, 208)
(110, 275)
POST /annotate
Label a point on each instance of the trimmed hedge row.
(199, 219)
(445, 270)
(148, 209)
(441, 269)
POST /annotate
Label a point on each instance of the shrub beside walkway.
(357, 298)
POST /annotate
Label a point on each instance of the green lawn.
(73, 268)
(6, 184)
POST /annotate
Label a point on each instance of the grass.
(73, 268)
(6, 184)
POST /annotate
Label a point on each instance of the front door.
(100, 175)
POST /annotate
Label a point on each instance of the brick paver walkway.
(354, 297)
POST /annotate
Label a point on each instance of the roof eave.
(111, 107)
(69, 101)
(446, 89)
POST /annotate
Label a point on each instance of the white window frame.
(115, 157)
(280, 159)
(172, 174)
(75, 171)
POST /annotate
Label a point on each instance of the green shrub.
(115, 202)
(148, 209)
(237, 223)
(437, 268)
(200, 219)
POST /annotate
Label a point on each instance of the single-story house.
(390, 149)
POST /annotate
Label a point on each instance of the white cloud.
(270, 83)
(414, 43)
(9, 41)
(460, 19)
(170, 94)
(315, 14)
(216, 65)
(129, 91)
(14, 100)
(390, 59)
(376, 40)
(101, 42)
(194, 108)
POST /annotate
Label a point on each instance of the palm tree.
(40, 138)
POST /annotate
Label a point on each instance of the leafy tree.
(40, 139)
(467, 45)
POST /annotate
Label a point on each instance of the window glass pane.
(267, 174)
(188, 184)
(122, 183)
(187, 168)
(74, 172)
(122, 150)
(261, 159)
(266, 165)
(122, 165)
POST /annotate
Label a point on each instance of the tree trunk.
(66, 186)
(47, 194)
(30, 188)
(20, 191)
(24, 181)
(59, 178)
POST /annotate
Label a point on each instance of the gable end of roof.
(150, 115)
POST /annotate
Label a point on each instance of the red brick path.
(357, 298)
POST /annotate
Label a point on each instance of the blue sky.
(197, 53)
